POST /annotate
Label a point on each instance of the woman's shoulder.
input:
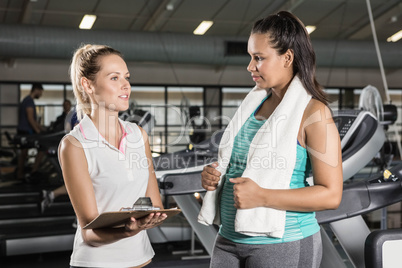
(70, 143)
(315, 108)
(316, 117)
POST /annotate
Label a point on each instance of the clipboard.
(118, 218)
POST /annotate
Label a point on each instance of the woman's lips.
(256, 77)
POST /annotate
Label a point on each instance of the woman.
(258, 190)
(103, 165)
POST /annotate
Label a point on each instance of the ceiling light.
(395, 37)
(310, 28)
(87, 22)
(203, 27)
(169, 7)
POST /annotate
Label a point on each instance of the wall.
(155, 73)
(56, 71)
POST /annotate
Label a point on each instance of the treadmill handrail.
(181, 183)
(363, 197)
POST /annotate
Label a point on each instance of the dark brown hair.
(36, 86)
(286, 31)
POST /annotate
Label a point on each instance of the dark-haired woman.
(258, 190)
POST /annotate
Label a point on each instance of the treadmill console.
(354, 124)
(361, 136)
(344, 120)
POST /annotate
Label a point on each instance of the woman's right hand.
(210, 177)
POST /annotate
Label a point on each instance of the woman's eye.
(128, 78)
(258, 58)
(114, 78)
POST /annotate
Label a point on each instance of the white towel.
(270, 163)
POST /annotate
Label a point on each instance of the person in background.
(59, 123)
(48, 196)
(107, 163)
(258, 190)
(28, 125)
(70, 121)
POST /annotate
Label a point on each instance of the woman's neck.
(279, 92)
(107, 123)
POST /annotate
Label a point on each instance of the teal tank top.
(298, 224)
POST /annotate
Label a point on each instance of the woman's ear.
(86, 85)
(289, 57)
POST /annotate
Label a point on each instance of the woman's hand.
(246, 193)
(210, 177)
(134, 226)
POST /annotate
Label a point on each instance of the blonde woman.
(107, 163)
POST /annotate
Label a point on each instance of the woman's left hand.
(246, 193)
(151, 221)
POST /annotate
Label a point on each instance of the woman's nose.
(126, 85)
(251, 66)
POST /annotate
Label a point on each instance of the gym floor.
(164, 257)
(19, 199)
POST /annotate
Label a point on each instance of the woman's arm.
(323, 145)
(82, 196)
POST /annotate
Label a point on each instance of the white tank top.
(119, 178)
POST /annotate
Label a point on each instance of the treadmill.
(362, 136)
(347, 224)
(179, 176)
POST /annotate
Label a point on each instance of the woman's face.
(267, 68)
(111, 86)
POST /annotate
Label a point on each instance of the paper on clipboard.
(118, 218)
